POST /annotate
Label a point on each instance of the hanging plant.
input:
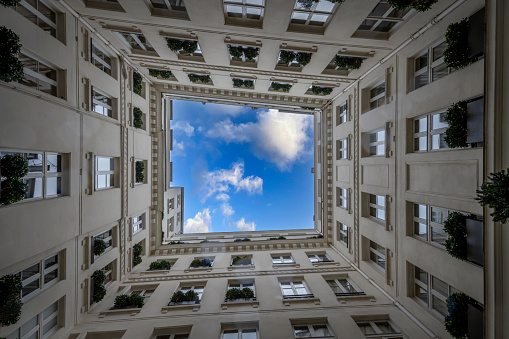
(137, 83)
(286, 57)
(456, 134)
(99, 247)
(10, 299)
(9, 3)
(204, 79)
(99, 291)
(140, 168)
(137, 250)
(129, 301)
(236, 51)
(196, 263)
(160, 265)
(418, 5)
(280, 87)
(174, 44)
(317, 90)
(137, 117)
(251, 52)
(456, 37)
(160, 73)
(456, 322)
(13, 166)
(348, 62)
(303, 58)
(11, 69)
(455, 227)
(495, 194)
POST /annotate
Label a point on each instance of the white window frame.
(281, 259)
(293, 288)
(111, 173)
(138, 223)
(431, 133)
(39, 16)
(107, 237)
(319, 257)
(243, 284)
(310, 14)
(380, 256)
(374, 140)
(342, 197)
(375, 100)
(430, 223)
(338, 283)
(243, 257)
(199, 289)
(379, 334)
(41, 265)
(39, 77)
(384, 17)
(375, 208)
(342, 233)
(312, 332)
(342, 149)
(180, 3)
(245, 6)
(41, 321)
(243, 57)
(342, 113)
(110, 111)
(431, 65)
(146, 293)
(98, 61)
(137, 44)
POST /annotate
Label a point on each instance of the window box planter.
(345, 62)
(243, 83)
(162, 265)
(160, 74)
(197, 78)
(137, 117)
(320, 90)
(127, 302)
(200, 263)
(279, 87)
(11, 69)
(137, 83)
(240, 302)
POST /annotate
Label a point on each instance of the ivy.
(99, 247)
(456, 134)
(137, 83)
(456, 37)
(137, 117)
(495, 194)
(455, 227)
(10, 299)
(140, 168)
(11, 69)
(348, 62)
(129, 301)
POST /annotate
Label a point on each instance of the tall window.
(40, 14)
(429, 65)
(342, 197)
(376, 142)
(246, 333)
(312, 13)
(39, 75)
(342, 149)
(100, 58)
(429, 223)
(42, 325)
(342, 113)
(244, 9)
(377, 254)
(312, 331)
(377, 206)
(377, 329)
(377, 95)
(136, 41)
(294, 289)
(104, 172)
(138, 223)
(343, 286)
(45, 176)
(319, 257)
(429, 132)
(278, 259)
(432, 292)
(383, 18)
(102, 103)
(342, 233)
(39, 276)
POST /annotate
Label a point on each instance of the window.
(99, 58)
(109, 5)
(102, 103)
(343, 286)
(377, 329)
(171, 204)
(376, 142)
(377, 254)
(382, 19)
(319, 257)
(45, 177)
(41, 15)
(377, 206)
(138, 223)
(104, 172)
(41, 326)
(146, 293)
(429, 223)
(240, 285)
(430, 66)
(174, 336)
(39, 75)
(342, 197)
(377, 95)
(244, 9)
(429, 132)
(171, 225)
(431, 291)
(342, 113)
(108, 272)
(247, 333)
(342, 149)
(245, 260)
(312, 331)
(136, 41)
(178, 200)
(342, 233)
(198, 289)
(294, 289)
(39, 276)
(107, 237)
(174, 5)
(279, 259)
(312, 13)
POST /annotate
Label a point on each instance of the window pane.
(52, 261)
(54, 163)
(380, 200)
(35, 161)
(54, 186)
(438, 215)
(385, 327)
(439, 306)
(318, 19)
(438, 235)
(420, 230)
(230, 334)
(421, 293)
(48, 277)
(440, 286)
(438, 51)
(50, 310)
(366, 328)
(421, 125)
(438, 121)
(439, 71)
(421, 62)
(249, 334)
(301, 332)
(29, 325)
(49, 325)
(321, 330)
(438, 141)
(420, 211)
(104, 164)
(324, 6)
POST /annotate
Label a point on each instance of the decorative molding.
(356, 172)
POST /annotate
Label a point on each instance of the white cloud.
(200, 223)
(221, 109)
(223, 197)
(280, 138)
(179, 146)
(221, 181)
(242, 225)
(183, 126)
(227, 209)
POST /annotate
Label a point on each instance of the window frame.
(374, 101)
(107, 67)
(429, 223)
(429, 133)
(376, 208)
(339, 285)
(281, 258)
(138, 46)
(38, 76)
(317, 257)
(378, 332)
(39, 16)
(239, 332)
(377, 142)
(430, 66)
(40, 276)
(311, 330)
(107, 238)
(41, 321)
(242, 257)
(342, 198)
(342, 149)
(111, 173)
(342, 234)
(384, 18)
(136, 222)
(310, 13)
(193, 286)
(294, 294)
(245, 6)
(381, 257)
(96, 102)
(342, 114)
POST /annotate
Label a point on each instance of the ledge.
(130, 311)
(253, 303)
(198, 269)
(289, 301)
(231, 268)
(277, 266)
(326, 263)
(344, 298)
(193, 307)
(151, 272)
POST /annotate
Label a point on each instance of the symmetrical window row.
(40, 14)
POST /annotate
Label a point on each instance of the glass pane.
(385, 327)
(29, 288)
(231, 334)
(35, 161)
(439, 71)
(52, 261)
(50, 276)
(301, 332)
(255, 2)
(440, 286)
(420, 80)
(438, 235)
(29, 272)
(29, 325)
(420, 230)
(438, 121)
(421, 275)
(380, 135)
(54, 186)
(377, 90)
(159, 4)
(420, 211)
(50, 310)
(277, 260)
(318, 19)
(380, 213)
(321, 330)
(421, 293)
(104, 164)
(234, 11)
(439, 306)
(438, 51)
(304, 4)
(253, 13)
(421, 125)
(366, 328)
(438, 215)
(49, 325)
(438, 141)
(421, 144)
(421, 62)
(249, 334)
(324, 6)
(380, 200)
(347, 286)
(53, 163)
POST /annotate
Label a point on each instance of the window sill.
(290, 301)
(343, 299)
(198, 269)
(240, 267)
(253, 303)
(193, 307)
(130, 311)
(325, 263)
(278, 266)
(154, 272)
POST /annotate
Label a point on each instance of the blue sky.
(242, 170)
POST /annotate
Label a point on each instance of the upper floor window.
(240, 12)
(174, 336)
(39, 276)
(198, 289)
(312, 13)
(109, 5)
(39, 75)
(342, 197)
(377, 206)
(377, 329)
(245, 333)
(100, 58)
(243, 55)
(240, 285)
(138, 223)
(342, 149)
(375, 142)
(381, 21)
(136, 41)
(104, 172)
(342, 233)
(429, 223)
(429, 65)
(377, 95)
(278, 259)
(377, 254)
(43, 325)
(294, 289)
(312, 331)
(319, 257)
(343, 286)
(40, 14)
(243, 260)
(429, 132)
(102, 103)
(342, 113)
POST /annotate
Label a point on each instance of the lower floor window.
(377, 254)
(312, 331)
(248, 333)
(40, 326)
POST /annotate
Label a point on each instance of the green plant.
(286, 57)
(137, 250)
(9, 3)
(174, 44)
(456, 116)
(98, 288)
(317, 90)
(11, 191)
(278, 238)
(418, 5)
(348, 62)
(238, 259)
(251, 52)
(160, 73)
(236, 51)
(180, 296)
(189, 46)
(303, 58)
(456, 322)
(99, 246)
(242, 83)
(10, 299)
(140, 168)
(200, 263)
(276, 86)
(137, 83)
(319, 236)
(237, 293)
(13, 166)
(456, 37)
(11, 69)
(455, 227)
(243, 239)
(160, 265)
(495, 194)
(176, 242)
(137, 117)
(129, 301)
(194, 78)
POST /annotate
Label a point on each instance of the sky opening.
(242, 169)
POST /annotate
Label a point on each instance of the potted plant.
(251, 52)
(99, 291)
(137, 250)
(160, 73)
(181, 298)
(199, 263)
(137, 117)
(418, 5)
(10, 299)
(241, 83)
(137, 83)
(13, 168)
(286, 57)
(99, 247)
(11, 69)
(456, 134)
(303, 58)
(187, 46)
(456, 55)
(495, 194)
(195, 78)
(276, 86)
(140, 168)
(160, 265)
(455, 227)
(236, 51)
(456, 322)
(239, 294)
(128, 301)
(9, 3)
(348, 62)
(278, 238)
(318, 90)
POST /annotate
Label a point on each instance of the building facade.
(373, 265)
